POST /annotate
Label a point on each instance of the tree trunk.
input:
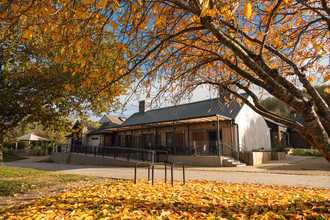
(318, 133)
(1, 152)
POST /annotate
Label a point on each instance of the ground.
(310, 166)
(313, 166)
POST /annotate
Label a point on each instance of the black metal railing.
(123, 153)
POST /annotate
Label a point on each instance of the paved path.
(251, 174)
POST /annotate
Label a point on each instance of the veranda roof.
(30, 137)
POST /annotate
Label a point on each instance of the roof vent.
(144, 106)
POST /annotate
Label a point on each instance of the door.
(170, 142)
(213, 150)
(148, 141)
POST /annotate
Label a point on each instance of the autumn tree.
(57, 59)
(280, 46)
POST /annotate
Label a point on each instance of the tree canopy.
(57, 59)
(281, 46)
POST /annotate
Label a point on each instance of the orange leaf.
(247, 10)
(326, 78)
(104, 3)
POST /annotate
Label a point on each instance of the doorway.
(212, 136)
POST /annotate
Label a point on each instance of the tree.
(55, 134)
(57, 59)
(280, 46)
(278, 107)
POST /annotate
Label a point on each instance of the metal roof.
(201, 111)
(300, 120)
(102, 128)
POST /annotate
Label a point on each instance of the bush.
(278, 149)
(314, 153)
(6, 152)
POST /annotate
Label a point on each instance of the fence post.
(143, 156)
(86, 150)
(95, 152)
(153, 157)
(128, 155)
(114, 154)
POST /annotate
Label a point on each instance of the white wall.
(253, 130)
(84, 140)
(91, 142)
(68, 141)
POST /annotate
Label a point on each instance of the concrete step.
(232, 162)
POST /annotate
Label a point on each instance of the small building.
(296, 139)
(212, 127)
(102, 136)
(95, 136)
(278, 134)
(284, 136)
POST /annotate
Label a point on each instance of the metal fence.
(120, 153)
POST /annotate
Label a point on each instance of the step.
(231, 162)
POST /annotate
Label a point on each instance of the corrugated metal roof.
(206, 108)
(116, 119)
(102, 128)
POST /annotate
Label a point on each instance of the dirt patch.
(7, 201)
(313, 166)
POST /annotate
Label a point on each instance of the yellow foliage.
(117, 199)
(27, 33)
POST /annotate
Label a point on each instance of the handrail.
(136, 167)
(184, 179)
(239, 146)
(235, 147)
(153, 166)
(124, 148)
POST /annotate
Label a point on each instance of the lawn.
(15, 180)
(117, 199)
(11, 158)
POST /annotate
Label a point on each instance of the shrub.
(314, 153)
(278, 149)
(6, 152)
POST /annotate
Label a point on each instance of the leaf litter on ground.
(118, 199)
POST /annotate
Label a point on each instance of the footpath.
(294, 171)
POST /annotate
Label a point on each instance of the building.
(95, 136)
(284, 136)
(211, 127)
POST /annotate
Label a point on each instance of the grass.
(15, 180)
(11, 158)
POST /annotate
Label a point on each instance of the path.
(251, 174)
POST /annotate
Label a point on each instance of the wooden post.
(188, 140)
(231, 138)
(16, 147)
(174, 147)
(218, 138)
(142, 147)
(156, 141)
